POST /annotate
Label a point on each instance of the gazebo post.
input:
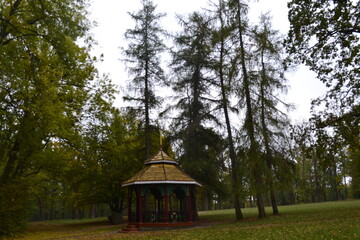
(140, 205)
(166, 205)
(189, 201)
(129, 204)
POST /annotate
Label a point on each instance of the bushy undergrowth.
(13, 208)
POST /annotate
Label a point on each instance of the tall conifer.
(143, 59)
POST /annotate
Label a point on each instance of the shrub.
(13, 208)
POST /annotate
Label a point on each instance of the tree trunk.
(260, 205)
(335, 184)
(317, 197)
(251, 201)
(92, 211)
(41, 209)
(273, 200)
(117, 210)
(346, 188)
(205, 202)
(116, 218)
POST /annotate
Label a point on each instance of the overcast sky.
(113, 19)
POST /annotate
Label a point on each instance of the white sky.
(113, 19)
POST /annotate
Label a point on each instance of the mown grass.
(330, 220)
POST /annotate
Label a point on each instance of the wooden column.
(166, 205)
(129, 204)
(140, 212)
(190, 205)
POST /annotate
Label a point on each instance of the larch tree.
(246, 93)
(223, 59)
(269, 72)
(143, 61)
(199, 144)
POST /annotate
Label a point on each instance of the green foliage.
(44, 74)
(13, 211)
(355, 173)
(324, 35)
(322, 163)
(111, 155)
(87, 173)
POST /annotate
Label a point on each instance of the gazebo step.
(130, 228)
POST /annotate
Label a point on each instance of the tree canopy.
(45, 75)
(324, 35)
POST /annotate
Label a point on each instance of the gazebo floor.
(134, 227)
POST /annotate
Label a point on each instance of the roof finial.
(161, 147)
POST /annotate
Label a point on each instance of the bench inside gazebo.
(161, 195)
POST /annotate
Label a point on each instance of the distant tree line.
(65, 148)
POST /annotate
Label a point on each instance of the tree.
(111, 156)
(304, 142)
(200, 147)
(44, 77)
(272, 122)
(322, 164)
(143, 58)
(325, 36)
(222, 65)
(256, 165)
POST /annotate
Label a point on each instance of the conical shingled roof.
(160, 157)
(160, 169)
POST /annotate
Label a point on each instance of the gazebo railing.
(177, 216)
(156, 216)
(153, 216)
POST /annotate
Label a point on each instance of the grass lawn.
(330, 220)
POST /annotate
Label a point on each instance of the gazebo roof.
(160, 169)
(160, 157)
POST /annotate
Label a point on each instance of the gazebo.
(161, 196)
